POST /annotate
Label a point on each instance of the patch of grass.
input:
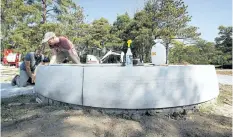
(9, 72)
(8, 75)
(6, 79)
(225, 95)
(207, 108)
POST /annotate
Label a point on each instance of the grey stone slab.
(149, 87)
(61, 83)
(7, 90)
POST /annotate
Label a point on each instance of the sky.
(207, 15)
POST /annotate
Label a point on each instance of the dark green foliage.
(24, 22)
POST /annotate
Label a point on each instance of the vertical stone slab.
(149, 87)
(61, 83)
(127, 88)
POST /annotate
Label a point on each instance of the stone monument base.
(173, 112)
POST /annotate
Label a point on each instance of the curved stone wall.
(141, 87)
(61, 83)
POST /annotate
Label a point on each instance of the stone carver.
(62, 48)
(28, 69)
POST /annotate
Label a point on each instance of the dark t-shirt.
(34, 61)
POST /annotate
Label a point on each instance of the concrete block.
(149, 87)
(61, 83)
(115, 87)
(57, 103)
(136, 117)
(50, 101)
(7, 90)
(42, 99)
(38, 100)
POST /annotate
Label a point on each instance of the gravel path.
(225, 79)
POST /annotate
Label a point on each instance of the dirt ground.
(224, 72)
(22, 116)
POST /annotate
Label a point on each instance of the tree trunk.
(44, 6)
(142, 55)
(167, 52)
(43, 48)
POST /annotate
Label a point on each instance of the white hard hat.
(48, 36)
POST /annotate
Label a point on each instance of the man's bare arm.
(53, 58)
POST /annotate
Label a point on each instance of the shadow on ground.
(39, 120)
